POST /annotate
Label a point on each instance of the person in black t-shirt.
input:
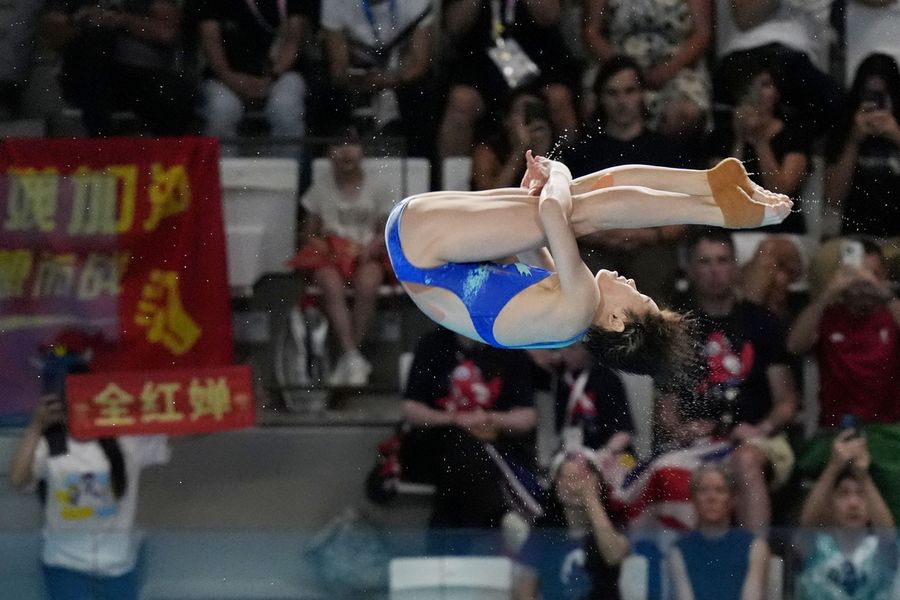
(120, 56)
(745, 390)
(590, 402)
(477, 86)
(863, 155)
(472, 415)
(619, 136)
(772, 146)
(252, 51)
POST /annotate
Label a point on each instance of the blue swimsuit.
(484, 287)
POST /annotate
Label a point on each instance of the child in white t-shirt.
(90, 491)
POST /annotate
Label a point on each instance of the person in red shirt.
(854, 326)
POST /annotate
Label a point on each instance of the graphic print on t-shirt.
(84, 496)
(469, 390)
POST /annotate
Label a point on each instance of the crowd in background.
(679, 83)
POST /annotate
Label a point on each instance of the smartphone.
(852, 253)
(850, 423)
(874, 99)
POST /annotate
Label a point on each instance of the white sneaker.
(356, 369)
(352, 369)
(338, 377)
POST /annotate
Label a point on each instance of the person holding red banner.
(89, 489)
(476, 262)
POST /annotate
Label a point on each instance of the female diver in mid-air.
(477, 262)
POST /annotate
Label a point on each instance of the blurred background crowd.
(785, 448)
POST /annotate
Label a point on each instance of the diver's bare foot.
(777, 206)
(743, 203)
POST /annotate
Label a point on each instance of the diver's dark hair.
(661, 345)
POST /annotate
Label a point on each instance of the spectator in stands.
(121, 58)
(863, 154)
(766, 278)
(789, 33)
(717, 561)
(856, 557)
(379, 55)
(342, 244)
(669, 41)
(580, 556)
(499, 158)
(472, 417)
(16, 48)
(618, 136)
(773, 147)
(89, 489)
(475, 30)
(252, 55)
(747, 391)
(853, 323)
(590, 408)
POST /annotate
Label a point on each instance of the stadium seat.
(456, 173)
(404, 176)
(259, 199)
(451, 578)
(870, 30)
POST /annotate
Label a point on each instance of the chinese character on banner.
(164, 401)
(123, 240)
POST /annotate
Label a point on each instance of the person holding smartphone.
(89, 489)
(775, 150)
(863, 155)
(498, 160)
(848, 546)
(853, 324)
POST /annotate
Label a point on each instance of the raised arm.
(845, 450)
(554, 209)
(804, 332)
(50, 410)
(595, 41)
(755, 581)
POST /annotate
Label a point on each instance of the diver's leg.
(625, 207)
(630, 196)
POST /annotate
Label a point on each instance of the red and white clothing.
(859, 366)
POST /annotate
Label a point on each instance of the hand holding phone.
(849, 426)
(51, 410)
(852, 253)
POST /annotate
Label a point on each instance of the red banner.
(114, 246)
(165, 401)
